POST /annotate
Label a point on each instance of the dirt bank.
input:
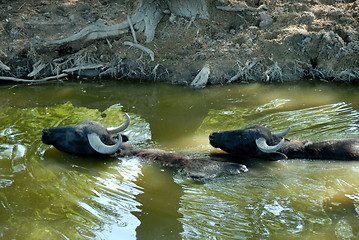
(172, 40)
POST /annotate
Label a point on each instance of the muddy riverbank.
(173, 40)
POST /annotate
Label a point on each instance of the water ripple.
(337, 120)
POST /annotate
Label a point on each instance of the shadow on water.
(53, 157)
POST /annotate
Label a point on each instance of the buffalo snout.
(213, 139)
(46, 134)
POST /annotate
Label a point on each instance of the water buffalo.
(86, 138)
(93, 139)
(259, 142)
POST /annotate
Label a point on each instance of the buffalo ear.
(124, 138)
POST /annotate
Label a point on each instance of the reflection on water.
(46, 194)
(294, 198)
(158, 214)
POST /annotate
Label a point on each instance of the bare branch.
(87, 67)
(3, 66)
(132, 29)
(4, 78)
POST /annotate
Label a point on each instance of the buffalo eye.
(78, 133)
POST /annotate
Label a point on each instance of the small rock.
(37, 39)
(201, 79)
(14, 34)
(249, 52)
(266, 20)
(72, 18)
(172, 18)
(166, 11)
(307, 18)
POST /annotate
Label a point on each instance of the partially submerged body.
(193, 167)
(335, 149)
(93, 139)
(259, 142)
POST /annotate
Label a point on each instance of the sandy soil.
(240, 41)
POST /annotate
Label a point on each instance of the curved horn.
(100, 147)
(120, 128)
(282, 134)
(263, 146)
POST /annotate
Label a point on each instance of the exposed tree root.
(3, 66)
(244, 72)
(38, 66)
(144, 20)
(132, 29)
(274, 73)
(82, 68)
(296, 45)
(143, 48)
(58, 77)
(95, 31)
(149, 13)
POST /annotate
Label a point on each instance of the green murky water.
(47, 194)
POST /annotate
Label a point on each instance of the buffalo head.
(86, 138)
(254, 141)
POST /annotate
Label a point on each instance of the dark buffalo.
(92, 138)
(86, 138)
(259, 142)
